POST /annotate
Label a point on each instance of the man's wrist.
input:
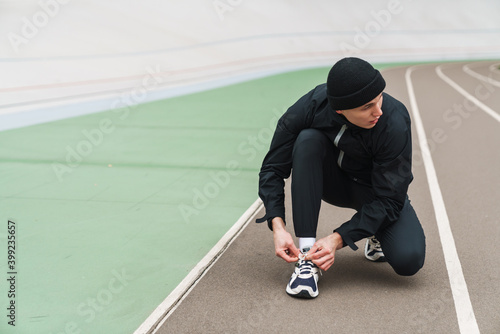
(278, 224)
(337, 238)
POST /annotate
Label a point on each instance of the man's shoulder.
(312, 101)
(395, 111)
(391, 102)
(394, 126)
(320, 90)
(315, 95)
(392, 134)
(311, 110)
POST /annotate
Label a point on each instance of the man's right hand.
(283, 242)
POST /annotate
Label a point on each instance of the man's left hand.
(322, 253)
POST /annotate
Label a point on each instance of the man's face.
(365, 116)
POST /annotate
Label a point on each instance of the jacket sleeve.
(391, 176)
(277, 164)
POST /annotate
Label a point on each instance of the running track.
(456, 122)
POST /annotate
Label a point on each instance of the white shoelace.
(376, 244)
(308, 266)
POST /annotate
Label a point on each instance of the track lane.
(484, 73)
(467, 160)
(465, 314)
(476, 91)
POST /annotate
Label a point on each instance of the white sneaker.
(373, 250)
(304, 280)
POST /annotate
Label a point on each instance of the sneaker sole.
(380, 259)
(304, 294)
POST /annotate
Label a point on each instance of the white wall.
(57, 52)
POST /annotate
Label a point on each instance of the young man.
(347, 143)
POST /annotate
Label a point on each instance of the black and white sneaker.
(304, 280)
(373, 250)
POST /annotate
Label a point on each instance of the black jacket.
(379, 157)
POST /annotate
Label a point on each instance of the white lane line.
(165, 309)
(465, 314)
(469, 97)
(481, 77)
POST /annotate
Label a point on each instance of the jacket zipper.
(336, 143)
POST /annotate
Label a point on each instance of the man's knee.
(408, 262)
(310, 142)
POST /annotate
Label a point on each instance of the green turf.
(114, 209)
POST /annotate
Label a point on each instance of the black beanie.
(353, 82)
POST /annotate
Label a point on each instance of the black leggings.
(316, 176)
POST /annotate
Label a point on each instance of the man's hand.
(283, 242)
(322, 253)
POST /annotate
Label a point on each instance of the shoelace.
(376, 244)
(306, 265)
